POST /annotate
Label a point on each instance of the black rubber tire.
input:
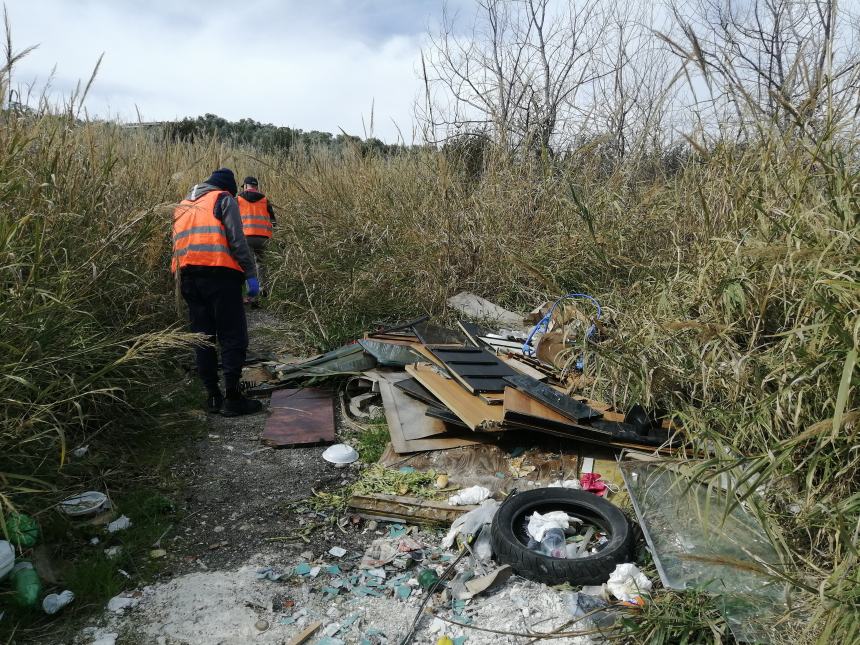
(509, 538)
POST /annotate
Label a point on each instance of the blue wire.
(527, 348)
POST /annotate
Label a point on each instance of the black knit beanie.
(224, 179)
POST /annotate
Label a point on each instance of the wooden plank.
(475, 413)
(396, 403)
(549, 396)
(521, 367)
(410, 509)
(471, 331)
(300, 417)
(305, 634)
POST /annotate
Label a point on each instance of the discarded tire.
(510, 536)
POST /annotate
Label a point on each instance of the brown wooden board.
(300, 417)
(404, 414)
(522, 367)
(475, 413)
(410, 509)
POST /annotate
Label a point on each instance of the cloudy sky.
(309, 64)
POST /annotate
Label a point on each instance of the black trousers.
(216, 309)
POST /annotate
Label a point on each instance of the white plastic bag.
(628, 583)
(469, 496)
(539, 524)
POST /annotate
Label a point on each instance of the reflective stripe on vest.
(199, 238)
(255, 217)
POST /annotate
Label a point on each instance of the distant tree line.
(269, 138)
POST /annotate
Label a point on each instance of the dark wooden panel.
(417, 391)
(300, 417)
(464, 355)
(445, 415)
(569, 407)
(477, 369)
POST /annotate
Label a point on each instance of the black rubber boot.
(235, 407)
(214, 402)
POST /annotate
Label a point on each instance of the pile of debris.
(443, 388)
(492, 436)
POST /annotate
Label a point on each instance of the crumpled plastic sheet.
(699, 540)
(469, 496)
(539, 524)
(470, 523)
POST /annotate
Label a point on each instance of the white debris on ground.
(236, 606)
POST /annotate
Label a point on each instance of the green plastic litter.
(407, 469)
(303, 569)
(23, 530)
(366, 591)
(333, 569)
(333, 591)
(500, 475)
(460, 640)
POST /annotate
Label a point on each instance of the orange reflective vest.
(199, 238)
(255, 217)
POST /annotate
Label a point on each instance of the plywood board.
(396, 403)
(300, 417)
(474, 412)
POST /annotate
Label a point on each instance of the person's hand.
(253, 287)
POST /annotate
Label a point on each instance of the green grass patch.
(371, 442)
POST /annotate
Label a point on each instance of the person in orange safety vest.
(213, 262)
(258, 220)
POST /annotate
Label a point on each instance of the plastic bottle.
(553, 543)
(28, 587)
